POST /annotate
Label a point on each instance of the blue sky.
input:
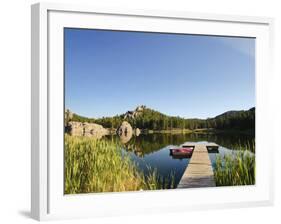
(110, 72)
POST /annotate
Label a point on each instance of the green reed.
(235, 169)
(247, 146)
(93, 165)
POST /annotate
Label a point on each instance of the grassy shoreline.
(235, 170)
(99, 165)
(93, 165)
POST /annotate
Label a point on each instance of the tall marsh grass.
(93, 165)
(247, 146)
(235, 169)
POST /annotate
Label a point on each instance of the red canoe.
(181, 151)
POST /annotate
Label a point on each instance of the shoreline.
(199, 131)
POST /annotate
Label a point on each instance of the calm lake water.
(152, 151)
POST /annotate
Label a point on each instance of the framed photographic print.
(148, 111)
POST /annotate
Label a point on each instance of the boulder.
(75, 128)
(125, 132)
(125, 129)
(137, 131)
(86, 129)
(94, 130)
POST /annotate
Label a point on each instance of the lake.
(152, 151)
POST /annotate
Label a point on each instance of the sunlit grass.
(93, 165)
(247, 146)
(235, 169)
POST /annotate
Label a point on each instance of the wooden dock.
(199, 172)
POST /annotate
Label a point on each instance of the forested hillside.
(146, 118)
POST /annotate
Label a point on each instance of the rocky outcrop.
(68, 115)
(135, 113)
(86, 129)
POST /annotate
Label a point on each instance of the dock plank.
(199, 172)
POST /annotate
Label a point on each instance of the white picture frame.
(47, 198)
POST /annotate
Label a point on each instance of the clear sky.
(111, 72)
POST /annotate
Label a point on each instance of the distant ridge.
(147, 118)
(234, 112)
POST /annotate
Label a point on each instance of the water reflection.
(125, 137)
(187, 156)
(153, 150)
(147, 144)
